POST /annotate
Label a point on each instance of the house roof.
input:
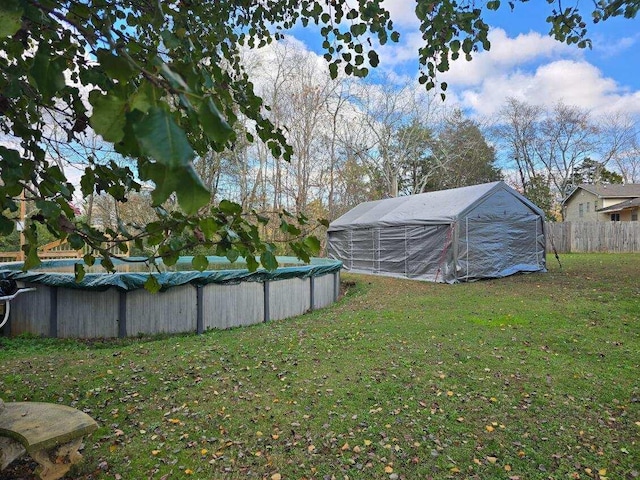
(634, 202)
(441, 207)
(629, 190)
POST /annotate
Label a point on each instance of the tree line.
(169, 88)
(354, 142)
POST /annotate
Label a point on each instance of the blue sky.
(526, 63)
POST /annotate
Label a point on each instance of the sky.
(525, 62)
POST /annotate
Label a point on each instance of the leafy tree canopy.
(163, 82)
(591, 172)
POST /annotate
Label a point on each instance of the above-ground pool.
(105, 305)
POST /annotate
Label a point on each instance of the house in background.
(602, 203)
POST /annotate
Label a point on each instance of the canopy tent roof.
(441, 207)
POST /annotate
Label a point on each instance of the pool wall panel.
(83, 314)
(288, 298)
(31, 311)
(323, 291)
(172, 311)
(227, 306)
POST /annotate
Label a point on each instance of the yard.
(528, 377)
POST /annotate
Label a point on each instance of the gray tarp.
(482, 231)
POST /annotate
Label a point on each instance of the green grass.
(528, 377)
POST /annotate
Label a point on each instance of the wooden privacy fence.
(589, 237)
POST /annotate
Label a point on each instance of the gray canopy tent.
(462, 234)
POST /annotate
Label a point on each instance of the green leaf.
(232, 255)
(75, 241)
(143, 98)
(47, 72)
(213, 124)
(252, 263)
(374, 61)
(174, 78)
(31, 256)
(169, 39)
(78, 272)
(200, 263)
(162, 139)
(333, 70)
(116, 67)
(209, 227)
(230, 208)
(151, 284)
(6, 226)
(191, 192)
(10, 17)
(312, 244)
(170, 257)
(261, 218)
(268, 260)
(89, 259)
(108, 118)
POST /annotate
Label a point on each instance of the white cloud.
(572, 82)
(534, 68)
(505, 54)
(607, 47)
(405, 52)
(403, 13)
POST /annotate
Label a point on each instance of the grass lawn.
(528, 377)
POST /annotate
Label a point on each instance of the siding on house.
(584, 203)
(582, 207)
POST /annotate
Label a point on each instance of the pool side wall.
(72, 313)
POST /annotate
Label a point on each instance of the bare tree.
(518, 131)
(619, 146)
(567, 137)
(390, 111)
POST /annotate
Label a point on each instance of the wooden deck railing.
(55, 250)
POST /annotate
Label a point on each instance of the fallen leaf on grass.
(492, 460)
(388, 469)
